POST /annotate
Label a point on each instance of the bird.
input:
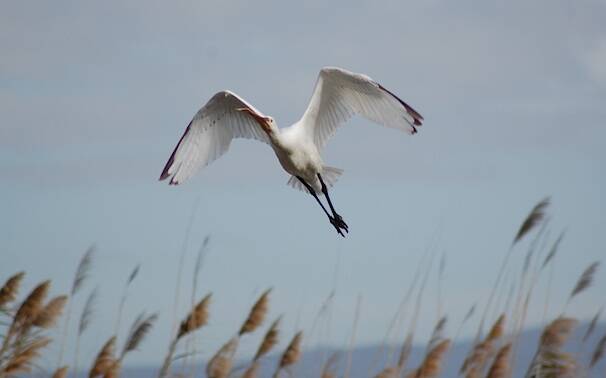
(337, 96)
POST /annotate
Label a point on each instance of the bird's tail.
(330, 175)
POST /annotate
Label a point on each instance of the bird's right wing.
(209, 135)
(340, 94)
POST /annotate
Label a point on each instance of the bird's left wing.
(340, 94)
(209, 135)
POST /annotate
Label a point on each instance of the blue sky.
(93, 98)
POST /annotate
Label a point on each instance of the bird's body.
(338, 95)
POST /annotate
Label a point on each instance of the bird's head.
(268, 124)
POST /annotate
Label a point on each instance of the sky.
(94, 96)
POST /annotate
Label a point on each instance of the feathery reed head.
(257, 314)
(432, 363)
(220, 365)
(328, 368)
(438, 330)
(138, 331)
(23, 360)
(556, 333)
(49, 315)
(388, 372)
(497, 329)
(105, 359)
(586, 279)
(9, 291)
(252, 370)
(405, 351)
(269, 340)
(87, 312)
(31, 306)
(553, 250)
(133, 274)
(197, 318)
(83, 270)
(598, 353)
(500, 366)
(292, 354)
(534, 218)
(594, 322)
(61, 372)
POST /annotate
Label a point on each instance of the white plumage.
(337, 96)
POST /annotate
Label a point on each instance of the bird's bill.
(263, 121)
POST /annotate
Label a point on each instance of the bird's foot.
(339, 225)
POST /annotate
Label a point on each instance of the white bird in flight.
(337, 96)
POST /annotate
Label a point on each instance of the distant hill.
(364, 364)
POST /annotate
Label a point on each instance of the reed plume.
(388, 372)
(475, 362)
(131, 277)
(432, 363)
(84, 323)
(105, 359)
(252, 370)
(257, 314)
(220, 364)
(9, 291)
(80, 277)
(291, 355)
(196, 319)
(598, 353)
(438, 330)
(269, 340)
(592, 325)
(405, 352)
(22, 360)
(61, 372)
(328, 368)
(536, 215)
(137, 333)
(584, 281)
(31, 307)
(500, 366)
(549, 359)
(49, 315)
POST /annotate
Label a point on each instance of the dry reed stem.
(500, 366)
(257, 314)
(405, 351)
(61, 372)
(197, 318)
(220, 364)
(9, 291)
(49, 315)
(270, 339)
(105, 358)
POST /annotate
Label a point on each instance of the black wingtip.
(164, 175)
(417, 118)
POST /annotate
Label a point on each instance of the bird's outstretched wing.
(339, 94)
(209, 135)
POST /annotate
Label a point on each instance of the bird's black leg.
(336, 216)
(311, 191)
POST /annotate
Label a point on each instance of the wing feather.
(209, 135)
(340, 94)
